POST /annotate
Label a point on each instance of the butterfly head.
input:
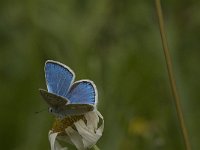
(50, 110)
(56, 112)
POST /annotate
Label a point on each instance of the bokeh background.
(117, 45)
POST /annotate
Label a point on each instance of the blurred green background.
(117, 45)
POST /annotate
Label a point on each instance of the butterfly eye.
(50, 110)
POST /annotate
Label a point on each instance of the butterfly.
(64, 96)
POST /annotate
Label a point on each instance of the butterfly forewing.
(53, 100)
(58, 77)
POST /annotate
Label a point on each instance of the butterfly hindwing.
(76, 109)
(83, 92)
(53, 100)
(58, 77)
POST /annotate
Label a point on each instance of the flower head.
(82, 131)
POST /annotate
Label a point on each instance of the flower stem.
(171, 76)
(95, 148)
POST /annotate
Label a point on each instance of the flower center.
(61, 124)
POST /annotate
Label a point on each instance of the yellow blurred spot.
(139, 126)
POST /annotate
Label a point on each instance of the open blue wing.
(58, 77)
(83, 92)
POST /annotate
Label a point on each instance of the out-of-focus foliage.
(117, 45)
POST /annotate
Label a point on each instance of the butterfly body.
(64, 97)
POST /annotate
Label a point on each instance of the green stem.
(171, 76)
(95, 148)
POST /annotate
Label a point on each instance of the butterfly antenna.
(37, 112)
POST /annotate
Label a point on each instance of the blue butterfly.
(64, 96)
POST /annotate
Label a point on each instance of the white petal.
(55, 145)
(90, 133)
(92, 119)
(75, 137)
(52, 138)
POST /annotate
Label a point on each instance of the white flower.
(81, 131)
